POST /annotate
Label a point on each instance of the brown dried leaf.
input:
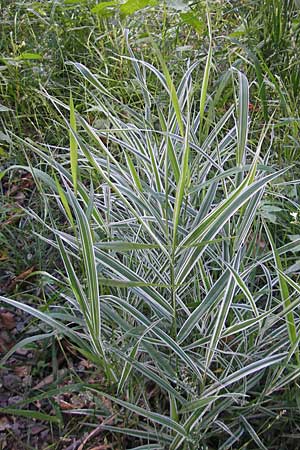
(65, 405)
(86, 364)
(4, 423)
(6, 341)
(7, 320)
(12, 283)
(37, 429)
(22, 371)
(49, 379)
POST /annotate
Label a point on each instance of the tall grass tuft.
(162, 284)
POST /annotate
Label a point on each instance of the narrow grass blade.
(284, 290)
(159, 419)
(73, 145)
(206, 73)
(243, 125)
(29, 414)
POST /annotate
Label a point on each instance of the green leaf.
(182, 184)
(73, 145)
(30, 414)
(198, 404)
(191, 19)
(223, 310)
(285, 295)
(216, 219)
(105, 8)
(131, 6)
(207, 303)
(127, 283)
(64, 201)
(89, 259)
(150, 374)
(243, 126)
(134, 174)
(155, 417)
(245, 371)
(121, 246)
(75, 2)
(46, 318)
(206, 74)
(253, 434)
(28, 56)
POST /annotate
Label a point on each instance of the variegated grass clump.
(164, 286)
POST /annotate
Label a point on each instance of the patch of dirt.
(30, 372)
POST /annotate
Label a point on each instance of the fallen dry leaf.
(86, 364)
(11, 381)
(7, 320)
(107, 403)
(20, 197)
(4, 423)
(26, 182)
(65, 405)
(6, 341)
(36, 429)
(49, 379)
(22, 371)
(11, 284)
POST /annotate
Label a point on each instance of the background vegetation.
(149, 224)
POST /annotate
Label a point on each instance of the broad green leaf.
(28, 56)
(131, 6)
(191, 19)
(106, 8)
